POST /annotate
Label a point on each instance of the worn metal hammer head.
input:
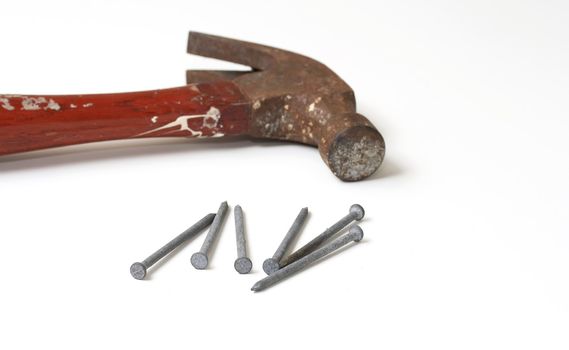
(296, 98)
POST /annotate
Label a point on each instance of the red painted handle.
(199, 110)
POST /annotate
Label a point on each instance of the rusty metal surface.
(296, 98)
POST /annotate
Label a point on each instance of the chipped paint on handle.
(198, 110)
(5, 102)
(28, 103)
(210, 120)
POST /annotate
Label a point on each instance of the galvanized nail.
(355, 234)
(271, 265)
(138, 269)
(243, 264)
(200, 259)
(357, 213)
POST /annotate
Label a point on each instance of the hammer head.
(296, 98)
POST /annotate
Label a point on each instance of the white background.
(467, 243)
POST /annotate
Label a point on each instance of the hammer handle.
(197, 110)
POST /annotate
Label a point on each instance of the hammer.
(286, 96)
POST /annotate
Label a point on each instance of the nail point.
(256, 287)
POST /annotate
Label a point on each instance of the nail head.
(199, 260)
(358, 210)
(270, 265)
(138, 270)
(358, 232)
(243, 265)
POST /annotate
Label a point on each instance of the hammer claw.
(236, 51)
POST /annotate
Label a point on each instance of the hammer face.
(356, 152)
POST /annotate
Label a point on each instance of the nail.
(138, 269)
(271, 265)
(356, 213)
(243, 264)
(200, 259)
(355, 234)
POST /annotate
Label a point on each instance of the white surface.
(466, 234)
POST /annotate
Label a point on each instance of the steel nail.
(242, 264)
(200, 259)
(138, 269)
(355, 234)
(271, 265)
(357, 213)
